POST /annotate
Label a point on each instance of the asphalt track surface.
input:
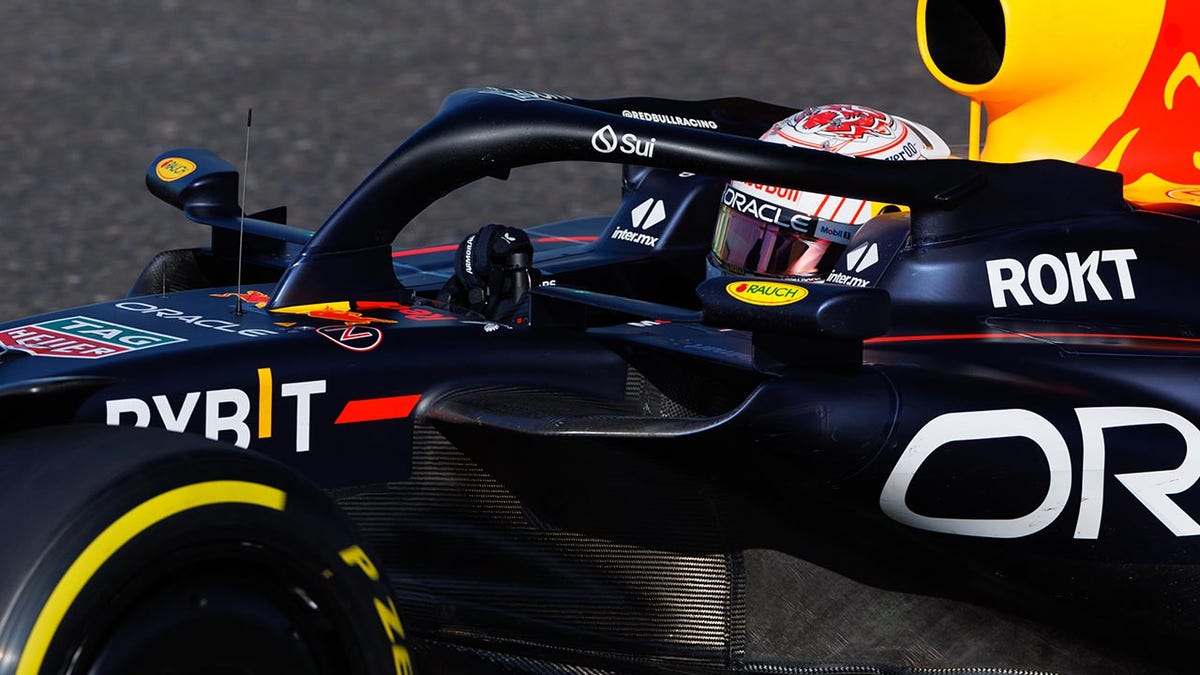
(91, 92)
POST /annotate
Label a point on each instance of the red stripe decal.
(1012, 336)
(375, 409)
(580, 238)
(420, 251)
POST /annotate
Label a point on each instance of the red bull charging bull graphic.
(1106, 83)
(1155, 143)
(252, 297)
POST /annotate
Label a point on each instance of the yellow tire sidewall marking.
(120, 532)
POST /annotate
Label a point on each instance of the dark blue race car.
(571, 448)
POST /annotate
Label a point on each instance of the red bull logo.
(351, 313)
(256, 298)
(766, 293)
(348, 317)
(1154, 142)
(1107, 83)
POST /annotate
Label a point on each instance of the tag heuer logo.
(80, 337)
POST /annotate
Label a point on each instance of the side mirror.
(818, 326)
(196, 181)
(795, 323)
(795, 308)
(205, 187)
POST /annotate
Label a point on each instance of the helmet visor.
(745, 245)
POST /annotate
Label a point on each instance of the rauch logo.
(766, 293)
(173, 168)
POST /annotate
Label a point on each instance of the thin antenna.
(242, 224)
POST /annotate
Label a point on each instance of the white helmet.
(770, 231)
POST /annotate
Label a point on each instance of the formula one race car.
(973, 448)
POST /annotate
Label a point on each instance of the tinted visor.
(745, 245)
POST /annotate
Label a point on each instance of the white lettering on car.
(670, 119)
(643, 217)
(226, 411)
(1050, 280)
(605, 140)
(194, 319)
(303, 393)
(972, 426)
(1151, 488)
(215, 422)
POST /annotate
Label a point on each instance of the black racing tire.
(137, 551)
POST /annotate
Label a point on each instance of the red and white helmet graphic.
(785, 232)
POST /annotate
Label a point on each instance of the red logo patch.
(354, 338)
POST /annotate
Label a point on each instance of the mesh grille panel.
(468, 558)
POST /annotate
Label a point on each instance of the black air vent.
(966, 38)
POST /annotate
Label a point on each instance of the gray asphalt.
(91, 92)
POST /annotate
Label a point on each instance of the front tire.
(134, 551)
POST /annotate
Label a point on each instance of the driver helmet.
(778, 232)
